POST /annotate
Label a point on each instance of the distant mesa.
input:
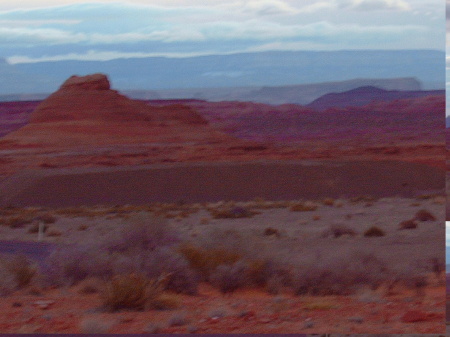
(366, 95)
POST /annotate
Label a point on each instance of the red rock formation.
(85, 110)
(88, 98)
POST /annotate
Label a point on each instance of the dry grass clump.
(424, 215)
(82, 227)
(228, 278)
(244, 273)
(125, 292)
(133, 292)
(338, 230)
(407, 224)
(16, 221)
(328, 201)
(22, 269)
(363, 198)
(374, 231)
(206, 260)
(16, 272)
(235, 212)
(303, 207)
(46, 218)
(437, 266)
(269, 231)
(53, 232)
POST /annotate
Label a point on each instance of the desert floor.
(300, 237)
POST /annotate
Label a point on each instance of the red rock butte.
(85, 110)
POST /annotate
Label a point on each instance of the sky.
(35, 30)
(447, 237)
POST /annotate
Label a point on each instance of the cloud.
(267, 7)
(171, 25)
(27, 36)
(371, 5)
(96, 55)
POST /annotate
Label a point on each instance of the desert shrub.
(182, 278)
(53, 232)
(232, 213)
(133, 291)
(142, 248)
(125, 292)
(407, 224)
(46, 218)
(363, 198)
(303, 207)
(271, 231)
(374, 231)
(7, 280)
(206, 260)
(259, 271)
(228, 278)
(339, 274)
(424, 215)
(417, 282)
(18, 221)
(82, 227)
(437, 266)
(142, 233)
(338, 230)
(71, 264)
(22, 269)
(328, 201)
(16, 272)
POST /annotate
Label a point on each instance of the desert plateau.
(191, 216)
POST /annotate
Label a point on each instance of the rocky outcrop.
(89, 82)
(90, 98)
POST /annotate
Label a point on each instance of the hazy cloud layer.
(173, 27)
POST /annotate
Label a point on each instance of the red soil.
(245, 311)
